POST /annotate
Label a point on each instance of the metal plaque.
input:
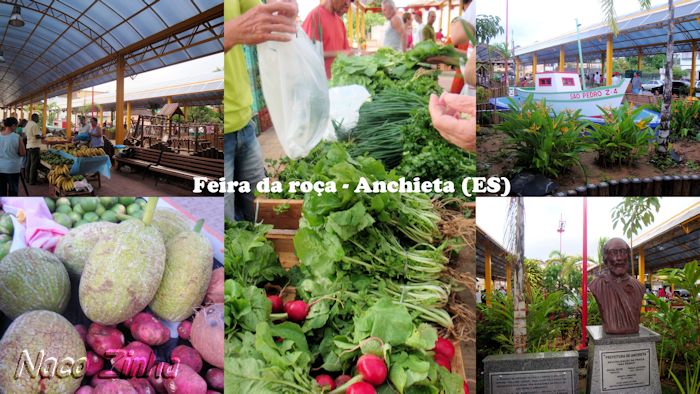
(625, 369)
(543, 381)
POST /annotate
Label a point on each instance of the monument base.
(531, 373)
(623, 364)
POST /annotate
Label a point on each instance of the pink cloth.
(41, 230)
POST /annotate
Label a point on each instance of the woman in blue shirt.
(11, 152)
(95, 134)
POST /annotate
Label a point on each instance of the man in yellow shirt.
(33, 148)
(246, 22)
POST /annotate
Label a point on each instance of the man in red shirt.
(324, 23)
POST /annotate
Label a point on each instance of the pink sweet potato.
(104, 338)
(85, 390)
(187, 355)
(207, 334)
(82, 331)
(215, 378)
(94, 364)
(118, 386)
(186, 381)
(134, 360)
(158, 373)
(102, 377)
(183, 330)
(149, 330)
(215, 292)
(142, 386)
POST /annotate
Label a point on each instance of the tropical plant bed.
(495, 160)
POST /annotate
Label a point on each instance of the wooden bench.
(211, 153)
(188, 167)
(142, 157)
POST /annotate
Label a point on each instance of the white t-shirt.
(417, 33)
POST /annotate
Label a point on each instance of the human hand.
(454, 118)
(262, 23)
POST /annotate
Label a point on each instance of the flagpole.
(580, 56)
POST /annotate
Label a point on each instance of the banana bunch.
(60, 177)
(82, 151)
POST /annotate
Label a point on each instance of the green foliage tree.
(204, 114)
(633, 213)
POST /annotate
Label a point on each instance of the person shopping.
(33, 148)
(11, 152)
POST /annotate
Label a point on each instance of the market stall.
(126, 340)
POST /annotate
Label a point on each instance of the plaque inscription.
(625, 369)
(545, 381)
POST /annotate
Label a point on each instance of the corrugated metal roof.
(64, 37)
(645, 29)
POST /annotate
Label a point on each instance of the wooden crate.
(285, 226)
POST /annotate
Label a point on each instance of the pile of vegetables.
(362, 312)
(147, 316)
(54, 159)
(72, 212)
(386, 69)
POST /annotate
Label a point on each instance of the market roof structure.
(672, 243)
(640, 33)
(190, 91)
(63, 46)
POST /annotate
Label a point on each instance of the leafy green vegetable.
(249, 257)
(244, 306)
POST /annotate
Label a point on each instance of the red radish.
(136, 359)
(187, 355)
(215, 292)
(102, 377)
(445, 347)
(85, 390)
(186, 381)
(372, 368)
(325, 381)
(158, 374)
(361, 388)
(142, 386)
(207, 334)
(296, 310)
(183, 330)
(215, 378)
(82, 331)
(103, 338)
(118, 386)
(128, 322)
(443, 361)
(277, 304)
(149, 330)
(340, 380)
(94, 364)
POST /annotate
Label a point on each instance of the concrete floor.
(124, 184)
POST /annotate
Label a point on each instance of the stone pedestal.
(531, 373)
(623, 364)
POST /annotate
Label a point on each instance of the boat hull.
(587, 101)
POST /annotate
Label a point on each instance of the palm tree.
(501, 49)
(601, 244)
(516, 245)
(665, 127)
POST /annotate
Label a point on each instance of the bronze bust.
(619, 295)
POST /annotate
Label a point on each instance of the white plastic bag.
(345, 108)
(296, 91)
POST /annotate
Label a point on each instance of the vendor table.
(87, 165)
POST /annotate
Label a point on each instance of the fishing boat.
(562, 92)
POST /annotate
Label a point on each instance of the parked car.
(652, 84)
(679, 88)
